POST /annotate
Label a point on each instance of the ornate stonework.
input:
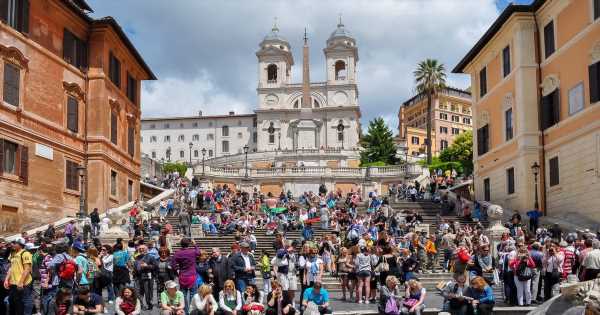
(15, 56)
(74, 89)
(507, 101)
(595, 53)
(114, 105)
(484, 118)
(550, 84)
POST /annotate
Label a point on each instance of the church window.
(340, 131)
(340, 70)
(296, 103)
(271, 132)
(316, 103)
(271, 73)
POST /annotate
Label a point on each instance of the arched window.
(316, 103)
(271, 132)
(340, 131)
(340, 70)
(297, 103)
(271, 73)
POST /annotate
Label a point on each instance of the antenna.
(305, 36)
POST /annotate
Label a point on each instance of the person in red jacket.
(523, 266)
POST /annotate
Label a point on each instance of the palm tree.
(430, 78)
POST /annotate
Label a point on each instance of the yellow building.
(536, 88)
(450, 116)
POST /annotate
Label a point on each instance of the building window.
(506, 61)
(153, 154)
(113, 127)
(225, 146)
(483, 140)
(550, 110)
(596, 9)
(131, 140)
(182, 154)
(113, 183)
(225, 131)
(9, 157)
(549, 46)
(210, 136)
(455, 131)
(443, 145)
(15, 13)
(554, 171)
(486, 190)
(180, 125)
(167, 126)
(210, 153)
(167, 139)
(131, 88)
(594, 73)
(195, 153)
(415, 140)
(72, 114)
(129, 190)
(114, 71)
(74, 50)
(510, 181)
(576, 99)
(454, 107)
(444, 130)
(12, 82)
(271, 131)
(195, 125)
(482, 82)
(152, 126)
(455, 118)
(340, 70)
(508, 124)
(181, 138)
(71, 176)
(271, 73)
(210, 124)
(240, 135)
(444, 116)
(196, 138)
(254, 137)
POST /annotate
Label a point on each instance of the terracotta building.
(70, 97)
(536, 89)
(451, 116)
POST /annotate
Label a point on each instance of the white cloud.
(203, 51)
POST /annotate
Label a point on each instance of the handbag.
(391, 307)
(410, 302)
(383, 266)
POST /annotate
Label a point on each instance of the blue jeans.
(241, 284)
(20, 300)
(47, 300)
(188, 294)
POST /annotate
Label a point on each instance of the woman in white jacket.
(203, 302)
(230, 299)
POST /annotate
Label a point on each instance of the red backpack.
(463, 255)
(67, 269)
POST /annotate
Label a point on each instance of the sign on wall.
(44, 151)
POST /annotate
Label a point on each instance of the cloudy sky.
(203, 52)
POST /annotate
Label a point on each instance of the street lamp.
(203, 155)
(246, 167)
(81, 170)
(169, 154)
(535, 168)
(191, 145)
(279, 139)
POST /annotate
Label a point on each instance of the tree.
(172, 167)
(460, 151)
(378, 144)
(430, 78)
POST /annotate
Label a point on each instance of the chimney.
(200, 113)
(231, 113)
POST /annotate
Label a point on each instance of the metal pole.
(190, 156)
(246, 175)
(82, 213)
(203, 155)
(536, 205)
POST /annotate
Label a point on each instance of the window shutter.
(1, 156)
(4, 10)
(545, 112)
(555, 107)
(24, 171)
(68, 47)
(113, 128)
(82, 54)
(72, 114)
(594, 82)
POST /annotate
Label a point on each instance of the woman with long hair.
(482, 296)
(363, 267)
(106, 272)
(230, 299)
(252, 300)
(414, 302)
(94, 264)
(203, 302)
(128, 303)
(343, 267)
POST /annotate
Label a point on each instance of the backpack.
(524, 273)
(92, 269)
(67, 269)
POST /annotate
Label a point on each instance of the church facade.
(306, 116)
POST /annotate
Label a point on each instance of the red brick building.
(69, 96)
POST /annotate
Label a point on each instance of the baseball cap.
(19, 240)
(170, 284)
(30, 246)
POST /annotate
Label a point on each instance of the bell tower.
(341, 55)
(274, 60)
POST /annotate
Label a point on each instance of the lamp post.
(203, 155)
(246, 161)
(169, 154)
(191, 145)
(535, 168)
(81, 170)
(279, 139)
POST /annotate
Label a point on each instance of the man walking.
(95, 220)
(18, 281)
(185, 222)
(145, 270)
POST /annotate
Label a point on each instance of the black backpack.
(524, 273)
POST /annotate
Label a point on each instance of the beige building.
(451, 116)
(536, 89)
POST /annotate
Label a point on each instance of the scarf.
(485, 262)
(127, 306)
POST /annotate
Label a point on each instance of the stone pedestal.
(247, 185)
(367, 187)
(496, 228)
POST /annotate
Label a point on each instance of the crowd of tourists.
(378, 255)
